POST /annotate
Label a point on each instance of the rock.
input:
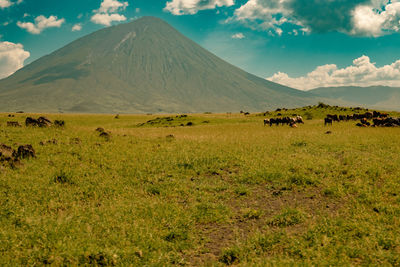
(100, 130)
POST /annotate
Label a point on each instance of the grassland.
(226, 190)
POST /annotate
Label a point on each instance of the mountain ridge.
(378, 97)
(140, 67)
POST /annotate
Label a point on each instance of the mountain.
(140, 67)
(379, 97)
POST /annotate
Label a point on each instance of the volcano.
(145, 66)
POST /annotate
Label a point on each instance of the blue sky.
(300, 43)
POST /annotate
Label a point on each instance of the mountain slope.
(138, 67)
(380, 97)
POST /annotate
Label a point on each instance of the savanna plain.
(201, 190)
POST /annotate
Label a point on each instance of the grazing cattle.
(59, 123)
(384, 115)
(25, 151)
(364, 121)
(369, 115)
(13, 124)
(328, 121)
(283, 120)
(41, 122)
(386, 122)
(333, 117)
(299, 119)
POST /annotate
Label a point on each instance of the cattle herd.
(378, 119)
(292, 122)
(373, 119)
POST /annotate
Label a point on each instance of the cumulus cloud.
(12, 57)
(238, 36)
(41, 23)
(354, 17)
(106, 19)
(183, 7)
(265, 14)
(77, 27)
(108, 12)
(111, 6)
(373, 21)
(5, 3)
(362, 73)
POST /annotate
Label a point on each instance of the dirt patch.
(254, 212)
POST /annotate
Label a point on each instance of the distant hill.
(380, 97)
(145, 66)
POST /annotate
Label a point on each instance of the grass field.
(226, 190)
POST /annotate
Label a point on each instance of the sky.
(304, 44)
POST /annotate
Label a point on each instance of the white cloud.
(12, 57)
(267, 15)
(360, 18)
(362, 73)
(371, 21)
(5, 3)
(182, 7)
(108, 12)
(8, 3)
(107, 19)
(77, 27)
(41, 23)
(238, 36)
(111, 6)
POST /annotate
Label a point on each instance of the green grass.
(229, 191)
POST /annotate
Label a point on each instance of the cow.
(13, 124)
(299, 119)
(328, 121)
(333, 117)
(266, 121)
